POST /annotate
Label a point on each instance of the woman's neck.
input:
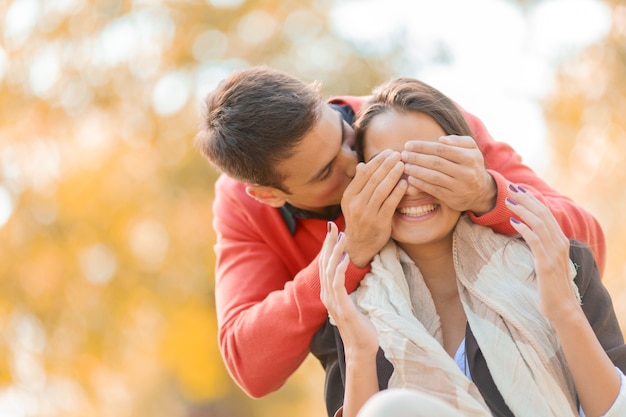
(436, 264)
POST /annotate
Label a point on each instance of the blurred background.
(106, 261)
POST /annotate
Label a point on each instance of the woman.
(473, 322)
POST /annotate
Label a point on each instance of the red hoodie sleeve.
(506, 167)
(267, 288)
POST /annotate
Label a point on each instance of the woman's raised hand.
(357, 331)
(536, 224)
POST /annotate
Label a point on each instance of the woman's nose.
(411, 189)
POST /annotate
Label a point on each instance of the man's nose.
(350, 162)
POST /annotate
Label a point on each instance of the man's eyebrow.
(327, 166)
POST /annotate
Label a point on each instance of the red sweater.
(267, 284)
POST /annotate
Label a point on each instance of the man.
(288, 169)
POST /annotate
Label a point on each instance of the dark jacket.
(596, 304)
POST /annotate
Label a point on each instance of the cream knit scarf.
(496, 283)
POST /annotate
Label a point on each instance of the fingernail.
(521, 188)
(511, 201)
(512, 188)
(514, 220)
(329, 226)
(343, 256)
(339, 236)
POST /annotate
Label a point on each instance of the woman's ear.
(266, 195)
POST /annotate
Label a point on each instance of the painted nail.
(512, 188)
(511, 201)
(521, 189)
(514, 220)
(343, 256)
(329, 226)
(339, 236)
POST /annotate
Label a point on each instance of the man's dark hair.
(408, 94)
(253, 121)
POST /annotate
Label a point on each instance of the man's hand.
(368, 205)
(452, 170)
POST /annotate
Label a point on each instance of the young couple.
(279, 143)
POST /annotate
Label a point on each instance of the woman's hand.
(359, 335)
(550, 246)
(596, 380)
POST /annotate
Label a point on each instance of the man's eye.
(326, 174)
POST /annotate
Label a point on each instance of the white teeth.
(417, 211)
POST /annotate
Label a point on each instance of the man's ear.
(266, 195)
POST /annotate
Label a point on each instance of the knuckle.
(436, 163)
(440, 150)
(543, 210)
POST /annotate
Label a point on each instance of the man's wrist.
(359, 260)
(488, 199)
